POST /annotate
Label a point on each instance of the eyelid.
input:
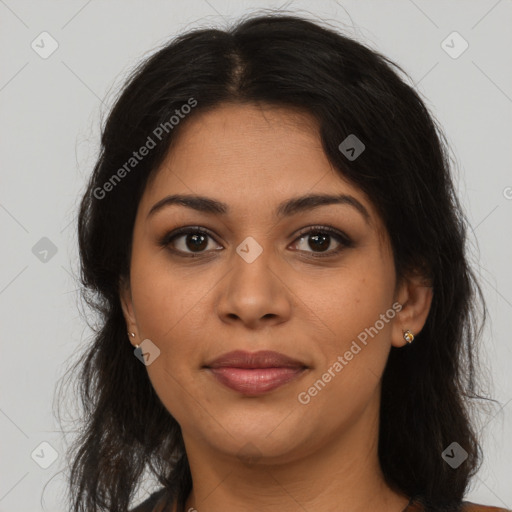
(344, 240)
(325, 228)
(166, 240)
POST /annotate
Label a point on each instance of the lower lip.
(255, 381)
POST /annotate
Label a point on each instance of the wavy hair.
(349, 88)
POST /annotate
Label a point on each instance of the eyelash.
(340, 237)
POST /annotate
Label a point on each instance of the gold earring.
(132, 334)
(408, 336)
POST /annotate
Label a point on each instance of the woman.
(273, 227)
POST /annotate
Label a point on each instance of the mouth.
(256, 373)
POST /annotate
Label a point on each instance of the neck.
(342, 474)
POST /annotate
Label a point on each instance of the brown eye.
(196, 241)
(320, 239)
(188, 241)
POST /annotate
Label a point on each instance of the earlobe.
(415, 295)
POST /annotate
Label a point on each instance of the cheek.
(164, 309)
(354, 301)
(167, 311)
(358, 311)
(167, 300)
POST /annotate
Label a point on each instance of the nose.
(254, 293)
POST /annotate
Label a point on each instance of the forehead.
(246, 143)
(250, 157)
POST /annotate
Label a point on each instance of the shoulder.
(154, 503)
(474, 507)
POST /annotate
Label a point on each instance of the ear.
(415, 294)
(125, 297)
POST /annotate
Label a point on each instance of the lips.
(261, 359)
(255, 373)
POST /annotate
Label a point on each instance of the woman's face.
(259, 282)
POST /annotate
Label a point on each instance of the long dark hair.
(349, 88)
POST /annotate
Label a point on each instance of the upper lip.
(261, 359)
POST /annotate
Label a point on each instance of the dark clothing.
(156, 502)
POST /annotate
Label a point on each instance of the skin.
(319, 456)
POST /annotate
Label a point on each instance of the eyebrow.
(285, 209)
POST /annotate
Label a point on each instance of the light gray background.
(49, 139)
